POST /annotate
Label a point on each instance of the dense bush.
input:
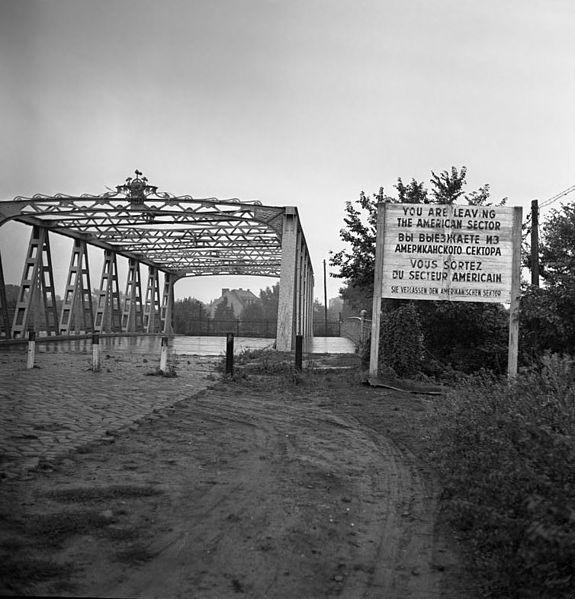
(401, 340)
(547, 321)
(440, 338)
(507, 456)
(465, 336)
(401, 349)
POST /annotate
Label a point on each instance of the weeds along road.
(262, 488)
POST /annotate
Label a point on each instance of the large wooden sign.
(441, 252)
(448, 252)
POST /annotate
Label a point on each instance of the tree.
(318, 311)
(224, 317)
(356, 264)
(548, 313)
(188, 313)
(412, 193)
(253, 311)
(467, 335)
(333, 314)
(252, 320)
(270, 301)
(557, 250)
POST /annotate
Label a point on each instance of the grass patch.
(261, 361)
(247, 356)
(275, 369)
(507, 458)
(337, 360)
(98, 494)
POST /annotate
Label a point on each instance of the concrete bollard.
(31, 350)
(96, 364)
(164, 356)
(230, 354)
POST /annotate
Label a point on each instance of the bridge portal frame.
(179, 236)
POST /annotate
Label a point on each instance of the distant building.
(238, 299)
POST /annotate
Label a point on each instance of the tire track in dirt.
(272, 495)
(405, 552)
(394, 540)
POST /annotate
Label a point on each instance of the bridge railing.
(357, 329)
(248, 328)
(211, 327)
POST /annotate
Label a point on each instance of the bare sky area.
(295, 102)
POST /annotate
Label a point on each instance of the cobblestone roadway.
(61, 405)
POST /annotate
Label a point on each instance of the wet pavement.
(332, 345)
(60, 405)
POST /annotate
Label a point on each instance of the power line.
(550, 201)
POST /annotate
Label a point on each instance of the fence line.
(248, 328)
(357, 329)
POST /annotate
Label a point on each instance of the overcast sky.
(295, 102)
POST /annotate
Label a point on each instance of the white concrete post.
(164, 355)
(96, 364)
(31, 350)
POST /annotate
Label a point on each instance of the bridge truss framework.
(177, 236)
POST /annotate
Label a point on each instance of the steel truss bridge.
(173, 236)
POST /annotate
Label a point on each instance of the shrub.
(439, 339)
(547, 321)
(507, 455)
(465, 336)
(401, 341)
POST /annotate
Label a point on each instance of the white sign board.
(457, 253)
(447, 252)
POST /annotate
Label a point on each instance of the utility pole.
(535, 243)
(325, 297)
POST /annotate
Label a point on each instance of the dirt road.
(265, 489)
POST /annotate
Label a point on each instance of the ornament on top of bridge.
(137, 190)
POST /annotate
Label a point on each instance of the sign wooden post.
(515, 291)
(377, 287)
(448, 252)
